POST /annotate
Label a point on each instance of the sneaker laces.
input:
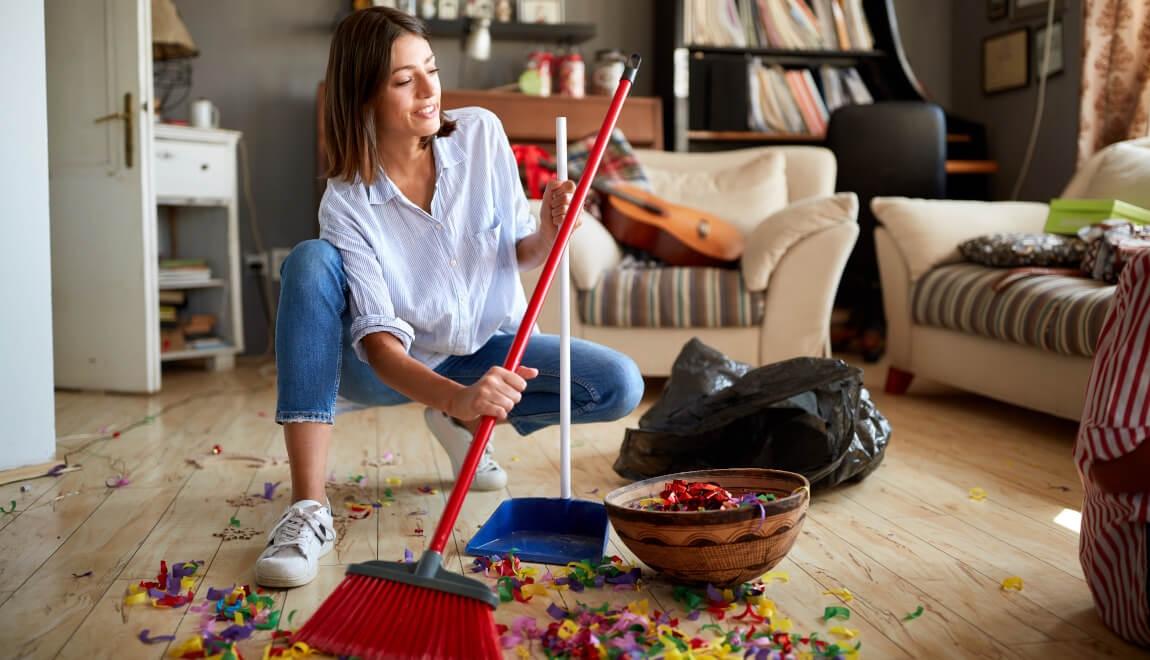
(296, 528)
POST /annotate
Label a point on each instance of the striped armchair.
(777, 305)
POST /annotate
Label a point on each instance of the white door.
(104, 286)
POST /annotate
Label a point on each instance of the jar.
(571, 75)
(609, 65)
(536, 77)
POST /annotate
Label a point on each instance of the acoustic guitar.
(678, 235)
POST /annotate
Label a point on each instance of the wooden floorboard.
(907, 535)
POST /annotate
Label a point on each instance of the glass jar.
(572, 74)
(609, 65)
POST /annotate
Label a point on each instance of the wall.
(27, 402)
(1008, 115)
(260, 61)
(924, 29)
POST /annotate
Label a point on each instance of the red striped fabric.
(1115, 421)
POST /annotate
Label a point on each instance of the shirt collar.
(447, 154)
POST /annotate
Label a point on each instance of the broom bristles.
(369, 617)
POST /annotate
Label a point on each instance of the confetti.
(394, 481)
(11, 508)
(776, 576)
(234, 522)
(842, 632)
(915, 614)
(217, 450)
(844, 594)
(427, 490)
(155, 640)
(1012, 583)
(84, 574)
(836, 612)
(680, 495)
(270, 489)
(977, 494)
(118, 481)
(169, 589)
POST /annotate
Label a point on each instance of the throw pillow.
(1109, 245)
(774, 236)
(1012, 249)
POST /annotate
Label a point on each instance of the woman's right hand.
(494, 394)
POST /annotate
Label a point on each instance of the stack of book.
(790, 101)
(198, 331)
(184, 272)
(171, 336)
(784, 24)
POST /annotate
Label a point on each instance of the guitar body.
(678, 235)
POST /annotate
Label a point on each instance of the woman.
(412, 292)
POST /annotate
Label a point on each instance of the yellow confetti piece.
(977, 494)
(534, 589)
(192, 645)
(1012, 583)
(765, 608)
(394, 481)
(639, 607)
(514, 459)
(842, 632)
(773, 576)
(568, 629)
(844, 594)
(650, 501)
(522, 651)
(783, 625)
(138, 598)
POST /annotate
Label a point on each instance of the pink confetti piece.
(118, 481)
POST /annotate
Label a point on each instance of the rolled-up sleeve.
(371, 305)
(510, 199)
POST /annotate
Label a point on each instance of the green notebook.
(1067, 216)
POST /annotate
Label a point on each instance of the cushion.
(1109, 245)
(1051, 312)
(778, 233)
(743, 194)
(1012, 249)
(1123, 172)
(618, 164)
(671, 298)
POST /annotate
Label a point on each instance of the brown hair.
(358, 64)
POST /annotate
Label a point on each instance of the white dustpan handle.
(564, 330)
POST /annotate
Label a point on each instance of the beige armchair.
(798, 237)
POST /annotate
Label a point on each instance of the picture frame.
(1025, 10)
(996, 9)
(1057, 61)
(447, 10)
(478, 8)
(1006, 61)
(550, 12)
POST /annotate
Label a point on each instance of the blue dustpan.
(551, 530)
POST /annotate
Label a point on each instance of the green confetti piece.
(291, 614)
(914, 615)
(234, 522)
(272, 622)
(836, 612)
(11, 508)
(717, 628)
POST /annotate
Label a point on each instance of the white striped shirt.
(443, 283)
(1115, 421)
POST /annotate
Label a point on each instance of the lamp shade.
(170, 37)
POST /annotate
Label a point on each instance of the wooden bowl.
(723, 548)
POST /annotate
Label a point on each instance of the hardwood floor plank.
(110, 618)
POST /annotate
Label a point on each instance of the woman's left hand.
(556, 200)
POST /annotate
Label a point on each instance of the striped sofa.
(1027, 341)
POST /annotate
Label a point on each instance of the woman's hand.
(556, 200)
(495, 394)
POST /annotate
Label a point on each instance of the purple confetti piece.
(155, 640)
(55, 472)
(556, 612)
(694, 615)
(599, 579)
(714, 595)
(235, 633)
(217, 594)
(408, 557)
(156, 593)
(270, 489)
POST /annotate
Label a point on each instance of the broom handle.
(564, 330)
(519, 345)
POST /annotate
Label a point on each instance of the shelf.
(192, 354)
(196, 285)
(566, 33)
(971, 166)
(752, 136)
(789, 53)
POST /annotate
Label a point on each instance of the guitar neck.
(626, 197)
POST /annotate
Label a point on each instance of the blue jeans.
(316, 362)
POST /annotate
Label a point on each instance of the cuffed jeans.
(316, 362)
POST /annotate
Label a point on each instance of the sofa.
(1031, 343)
(775, 305)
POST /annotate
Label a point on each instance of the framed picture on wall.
(1006, 61)
(995, 9)
(541, 11)
(1024, 10)
(448, 10)
(1055, 65)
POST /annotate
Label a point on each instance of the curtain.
(1115, 74)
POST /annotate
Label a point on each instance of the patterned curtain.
(1115, 74)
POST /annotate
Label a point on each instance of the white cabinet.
(195, 187)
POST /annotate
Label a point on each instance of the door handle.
(127, 116)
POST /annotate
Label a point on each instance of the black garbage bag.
(807, 415)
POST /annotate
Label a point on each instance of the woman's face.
(408, 104)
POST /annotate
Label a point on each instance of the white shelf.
(191, 354)
(196, 285)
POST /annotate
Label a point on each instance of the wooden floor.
(909, 535)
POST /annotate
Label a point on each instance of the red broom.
(386, 609)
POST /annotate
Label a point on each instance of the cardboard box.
(1067, 216)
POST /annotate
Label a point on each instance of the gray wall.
(27, 402)
(260, 61)
(924, 29)
(1008, 116)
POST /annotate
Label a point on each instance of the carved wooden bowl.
(723, 548)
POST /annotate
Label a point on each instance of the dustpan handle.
(564, 329)
(519, 345)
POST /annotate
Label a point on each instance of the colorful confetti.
(977, 494)
(168, 590)
(836, 612)
(680, 495)
(427, 490)
(1012, 583)
(145, 638)
(270, 489)
(844, 594)
(217, 450)
(915, 614)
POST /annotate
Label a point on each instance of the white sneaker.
(457, 440)
(303, 535)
